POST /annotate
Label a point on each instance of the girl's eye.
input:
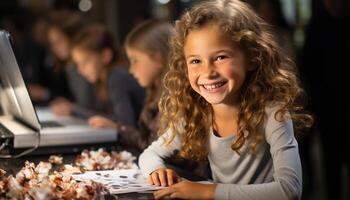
(221, 57)
(194, 61)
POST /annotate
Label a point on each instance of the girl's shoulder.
(121, 80)
(272, 109)
(275, 125)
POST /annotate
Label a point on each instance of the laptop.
(22, 125)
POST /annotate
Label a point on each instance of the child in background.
(230, 96)
(147, 47)
(61, 84)
(119, 96)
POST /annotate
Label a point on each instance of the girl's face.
(216, 67)
(88, 62)
(144, 67)
(59, 43)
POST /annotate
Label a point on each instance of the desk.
(12, 166)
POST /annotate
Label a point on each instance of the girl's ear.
(107, 56)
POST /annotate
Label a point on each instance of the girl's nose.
(210, 69)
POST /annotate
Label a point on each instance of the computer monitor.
(14, 97)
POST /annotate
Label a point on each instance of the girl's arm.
(152, 158)
(287, 182)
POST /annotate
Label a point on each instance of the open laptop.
(19, 122)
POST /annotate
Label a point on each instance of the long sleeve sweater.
(272, 172)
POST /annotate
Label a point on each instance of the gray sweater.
(272, 172)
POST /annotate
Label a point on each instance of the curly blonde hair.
(274, 81)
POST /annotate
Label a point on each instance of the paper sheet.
(119, 181)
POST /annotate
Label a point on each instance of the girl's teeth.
(211, 87)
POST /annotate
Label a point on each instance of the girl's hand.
(101, 122)
(163, 177)
(61, 106)
(187, 190)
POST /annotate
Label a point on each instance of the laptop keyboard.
(50, 124)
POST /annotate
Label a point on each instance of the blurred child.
(147, 48)
(119, 96)
(230, 96)
(61, 85)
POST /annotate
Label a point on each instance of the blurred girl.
(147, 48)
(120, 98)
(230, 96)
(61, 84)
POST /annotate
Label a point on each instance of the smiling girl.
(232, 97)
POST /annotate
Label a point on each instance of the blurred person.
(147, 48)
(119, 97)
(62, 87)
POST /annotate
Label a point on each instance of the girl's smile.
(214, 86)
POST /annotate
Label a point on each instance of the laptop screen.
(14, 97)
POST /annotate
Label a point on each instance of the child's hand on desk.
(187, 190)
(61, 106)
(163, 177)
(101, 122)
